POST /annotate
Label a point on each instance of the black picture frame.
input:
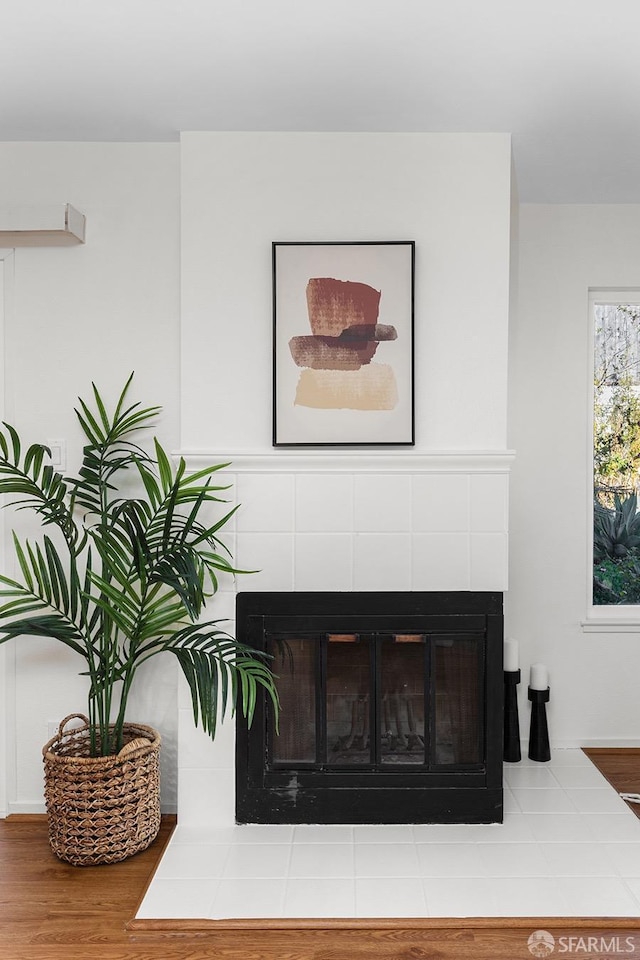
(336, 306)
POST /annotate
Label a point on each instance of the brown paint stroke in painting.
(334, 305)
(363, 331)
(371, 388)
(331, 353)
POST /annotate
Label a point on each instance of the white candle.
(511, 659)
(538, 677)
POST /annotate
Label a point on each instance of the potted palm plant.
(124, 569)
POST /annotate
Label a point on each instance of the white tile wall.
(325, 555)
(270, 555)
(206, 797)
(373, 531)
(324, 503)
(382, 561)
(382, 502)
(266, 502)
(441, 561)
(488, 503)
(488, 555)
(441, 503)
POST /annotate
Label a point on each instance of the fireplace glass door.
(377, 700)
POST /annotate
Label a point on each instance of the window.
(616, 449)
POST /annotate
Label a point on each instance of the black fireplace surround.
(391, 708)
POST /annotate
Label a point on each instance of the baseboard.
(603, 742)
(26, 817)
(180, 927)
(16, 807)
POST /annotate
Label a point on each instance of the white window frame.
(603, 617)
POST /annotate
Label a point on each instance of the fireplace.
(391, 708)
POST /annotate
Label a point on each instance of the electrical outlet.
(58, 454)
(52, 728)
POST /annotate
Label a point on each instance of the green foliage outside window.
(616, 455)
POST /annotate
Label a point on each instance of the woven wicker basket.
(101, 809)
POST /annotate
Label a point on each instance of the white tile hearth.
(568, 847)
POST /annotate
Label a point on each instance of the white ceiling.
(563, 76)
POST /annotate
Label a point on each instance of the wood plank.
(490, 944)
(621, 767)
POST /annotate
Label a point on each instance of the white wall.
(564, 250)
(92, 312)
(400, 519)
(448, 192)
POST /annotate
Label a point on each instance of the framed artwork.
(343, 359)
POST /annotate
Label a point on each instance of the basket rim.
(140, 730)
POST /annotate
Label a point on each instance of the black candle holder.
(511, 743)
(539, 748)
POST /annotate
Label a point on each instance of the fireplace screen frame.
(321, 791)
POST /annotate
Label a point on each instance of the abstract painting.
(343, 343)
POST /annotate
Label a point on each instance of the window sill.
(610, 624)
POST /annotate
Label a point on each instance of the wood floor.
(52, 911)
(620, 767)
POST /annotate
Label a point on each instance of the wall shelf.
(41, 225)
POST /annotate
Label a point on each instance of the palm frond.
(48, 625)
(122, 607)
(45, 577)
(104, 430)
(15, 444)
(157, 619)
(109, 449)
(16, 616)
(221, 673)
(35, 484)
